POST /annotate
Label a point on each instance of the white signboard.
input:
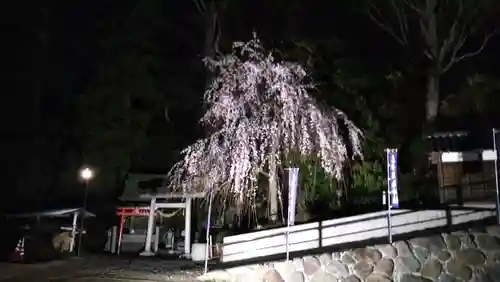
(392, 178)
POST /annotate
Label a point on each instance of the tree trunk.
(273, 192)
(211, 42)
(430, 32)
(273, 188)
(432, 104)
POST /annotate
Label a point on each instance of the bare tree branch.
(217, 11)
(384, 25)
(453, 35)
(413, 7)
(428, 55)
(455, 58)
(200, 5)
(402, 21)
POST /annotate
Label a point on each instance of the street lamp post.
(85, 174)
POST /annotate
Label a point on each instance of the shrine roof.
(52, 213)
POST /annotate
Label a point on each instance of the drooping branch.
(258, 112)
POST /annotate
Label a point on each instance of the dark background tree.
(442, 32)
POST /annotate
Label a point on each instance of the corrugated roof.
(52, 213)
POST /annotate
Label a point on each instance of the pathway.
(101, 269)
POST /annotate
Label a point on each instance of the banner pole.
(497, 198)
(293, 177)
(208, 246)
(389, 222)
(286, 242)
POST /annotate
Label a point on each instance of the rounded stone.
(494, 256)
(459, 270)
(490, 261)
(443, 255)
(492, 271)
(477, 229)
(325, 259)
(259, 272)
(488, 242)
(311, 265)
(218, 275)
(403, 249)
(336, 255)
(363, 269)
(466, 239)
(338, 269)
(494, 230)
(296, 276)
(321, 276)
(298, 262)
(432, 243)
(272, 276)
(406, 264)
(352, 278)
(248, 277)
(421, 254)
(431, 269)
(385, 267)
(285, 269)
(369, 255)
(377, 278)
(412, 278)
(472, 257)
(479, 276)
(445, 277)
(348, 259)
(235, 271)
(387, 251)
(453, 242)
(459, 233)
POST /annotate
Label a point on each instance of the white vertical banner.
(392, 178)
(293, 182)
(392, 187)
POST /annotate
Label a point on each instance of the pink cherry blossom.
(258, 110)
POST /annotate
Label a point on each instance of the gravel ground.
(102, 269)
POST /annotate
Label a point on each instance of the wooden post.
(73, 231)
(120, 235)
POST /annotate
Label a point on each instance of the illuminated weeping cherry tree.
(258, 112)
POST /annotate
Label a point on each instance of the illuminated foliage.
(258, 112)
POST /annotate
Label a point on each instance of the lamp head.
(86, 173)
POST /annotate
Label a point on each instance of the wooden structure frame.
(74, 212)
(464, 167)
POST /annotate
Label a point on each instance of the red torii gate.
(145, 211)
(128, 211)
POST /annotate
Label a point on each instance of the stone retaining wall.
(472, 255)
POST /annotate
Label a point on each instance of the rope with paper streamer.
(168, 215)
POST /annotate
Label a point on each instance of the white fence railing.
(309, 236)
